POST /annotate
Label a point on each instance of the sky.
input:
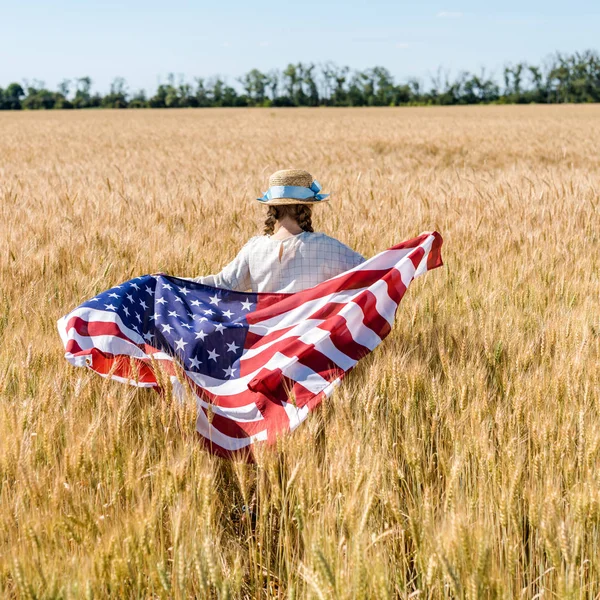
(144, 41)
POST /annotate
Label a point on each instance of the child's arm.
(234, 276)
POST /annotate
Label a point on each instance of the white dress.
(290, 265)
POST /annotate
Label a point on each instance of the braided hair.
(301, 213)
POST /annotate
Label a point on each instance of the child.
(290, 256)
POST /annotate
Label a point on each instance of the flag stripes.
(254, 373)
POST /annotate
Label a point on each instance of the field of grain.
(460, 460)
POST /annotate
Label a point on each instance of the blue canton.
(203, 327)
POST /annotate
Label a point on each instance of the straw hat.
(293, 186)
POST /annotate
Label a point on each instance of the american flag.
(257, 363)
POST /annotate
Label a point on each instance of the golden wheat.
(460, 460)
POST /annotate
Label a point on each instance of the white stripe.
(105, 316)
(107, 343)
(111, 344)
(144, 384)
(204, 428)
(361, 334)
(389, 259)
(296, 331)
(384, 305)
(426, 245)
(384, 260)
(295, 415)
(307, 332)
(326, 347)
(302, 312)
(77, 361)
(219, 387)
(231, 387)
(241, 414)
(301, 373)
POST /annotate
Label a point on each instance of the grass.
(459, 460)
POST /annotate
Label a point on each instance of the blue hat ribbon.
(294, 191)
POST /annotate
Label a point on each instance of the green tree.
(12, 97)
(117, 97)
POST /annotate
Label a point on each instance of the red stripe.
(92, 328)
(395, 285)
(342, 338)
(261, 340)
(351, 281)
(331, 308)
(235, 429)
(277, 304)
(74, 348)
(413, 243)
(292, 347)
(372, 319)
(255, 340)
(233, 401)
(134, 369)
(417, 256)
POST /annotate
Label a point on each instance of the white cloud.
(447, 14)
(225, 45)
(263, 44)
(402, 45)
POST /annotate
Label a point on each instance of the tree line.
(562, 78)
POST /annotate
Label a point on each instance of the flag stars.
(232, 347)
(186, 324)
(180, 344)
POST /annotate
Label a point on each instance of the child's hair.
(301, 213)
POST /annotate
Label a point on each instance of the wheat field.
(459, 460)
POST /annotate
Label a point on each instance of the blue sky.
(145, 40)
